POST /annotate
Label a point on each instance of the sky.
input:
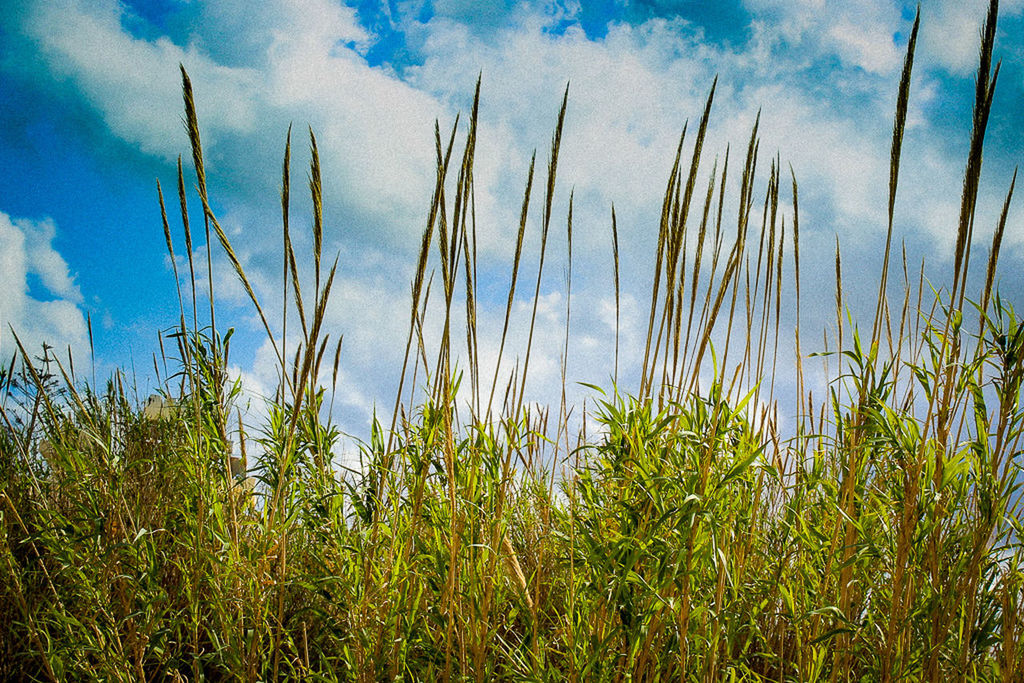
(91, 119)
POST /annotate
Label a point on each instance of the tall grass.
(688, 539)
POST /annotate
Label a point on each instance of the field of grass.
(484, 539)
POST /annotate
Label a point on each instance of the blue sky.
(90, 119)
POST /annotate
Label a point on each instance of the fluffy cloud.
(860, 34)
(41, 300)
(292, 62)
(950, 31)
(631, 92)
(132, 82)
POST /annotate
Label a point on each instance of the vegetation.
(688, 539)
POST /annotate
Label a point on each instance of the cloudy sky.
(91, 119)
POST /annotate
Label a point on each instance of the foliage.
(688, 539)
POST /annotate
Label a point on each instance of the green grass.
(482, 539)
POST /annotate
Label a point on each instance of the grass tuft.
(690, 537)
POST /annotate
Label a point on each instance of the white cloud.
(48, 313)
(951, 32)
(375, 132)
(629, 96)
(868, 46)
(860, 34)
(246, 32)
(135, 83)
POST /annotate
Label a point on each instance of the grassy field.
(485, 539)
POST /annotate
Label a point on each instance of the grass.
(687, 540)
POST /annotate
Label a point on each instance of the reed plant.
(688, 539)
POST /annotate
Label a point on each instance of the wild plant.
(690, 538)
